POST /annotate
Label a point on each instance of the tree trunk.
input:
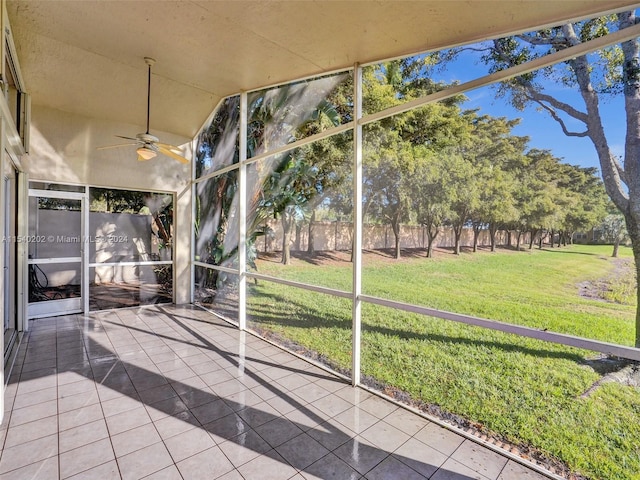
(633, 228)
(493, 229)
(286, 240)
(509, 240)
(532, 238)
(395, 226)
(431, 238)
(297, 242)
(518, 236)
(457, 231)
(476, 234)
(310, 245)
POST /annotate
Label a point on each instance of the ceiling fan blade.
(116, 146)
(127, 138)
(162, 148)
(168, 146)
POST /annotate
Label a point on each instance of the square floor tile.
(45, 469)
(301, 451)
(440, 438)
(278, 431)
(453, 470)
(420, 457)
(211, 463)
(516, 470)
(36, 384)
(119, 405)
(31, 431)
(82, 435)
(406, 421)
(168, 407)
(385, 436)
(188, 443)
(85, 457)
(80, 385)
(80, 416)
(244, 447)
(331, 405)
(331, 434)
(270, 466)
(124, 421)
(330, 467)
(79, 400)
(144, 462)
(378, 407)
(106, 471)
(169, 473)
(134, 439)
(356, 419)
(175, 424)
(157, 394)
(28, 453)
(211, 411)
(227, 428)
(312, 393)
(258, 414)
(392, 469)
(480, 459)
(194, 397)
(360, 454)
(33, 398)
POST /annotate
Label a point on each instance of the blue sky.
(544, 132)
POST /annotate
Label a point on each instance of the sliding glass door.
(56, 248)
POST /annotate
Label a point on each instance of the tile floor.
(170, 392)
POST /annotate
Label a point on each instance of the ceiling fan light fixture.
(146, 153)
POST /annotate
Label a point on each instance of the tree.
(283, 185)
(615, 69)
(495, 152)
(431, 193)
(586, 200)
(535, 197)
(613, 231)
(400, 150)
(387, 155)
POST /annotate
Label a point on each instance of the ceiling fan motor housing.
(147, 138)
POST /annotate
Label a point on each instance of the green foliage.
(613, 229)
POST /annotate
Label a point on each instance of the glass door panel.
(55, 242)
(130, 248)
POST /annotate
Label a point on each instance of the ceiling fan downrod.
(150, 62)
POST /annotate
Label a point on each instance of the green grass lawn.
(526, 391)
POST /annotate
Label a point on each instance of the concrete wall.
(338, 236)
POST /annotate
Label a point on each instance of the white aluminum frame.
(66, 305)
(356, 126)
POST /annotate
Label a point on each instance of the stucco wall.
(63, 149)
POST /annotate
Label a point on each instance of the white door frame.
(67, 305)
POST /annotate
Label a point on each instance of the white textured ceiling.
(86, 57)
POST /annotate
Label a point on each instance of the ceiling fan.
(149, 145)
